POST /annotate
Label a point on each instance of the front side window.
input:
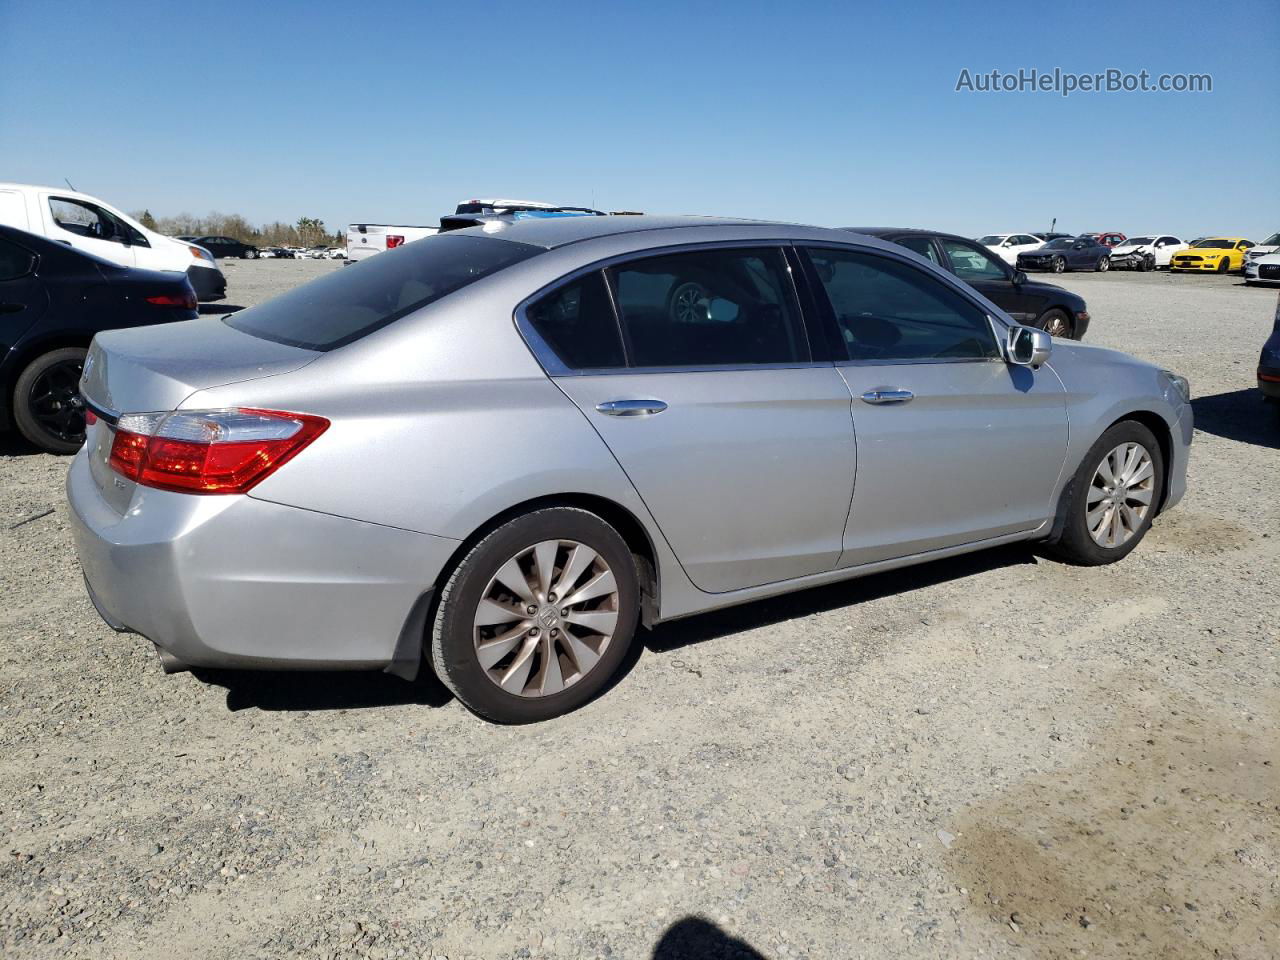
(15, 261)
(344, 306)
(709, 308)
(971, 262)
(82, 219)
(1214, 243)
(578, 323)
(887, 310)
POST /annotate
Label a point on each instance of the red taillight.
(90, 418)
(394, 240)
(186, 300)
(209, 451)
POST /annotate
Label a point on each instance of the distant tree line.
(307, 232)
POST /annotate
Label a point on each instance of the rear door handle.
(630, 408)
(887, 396)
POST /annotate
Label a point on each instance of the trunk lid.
(153, 369)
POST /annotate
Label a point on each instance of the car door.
(740, 445)
(991, 278)
(954, 445)
(23, 297)
(1165, 248)
(85, 226)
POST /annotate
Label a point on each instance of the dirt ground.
(995, 756)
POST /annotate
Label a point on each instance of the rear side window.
(920, 244)
(15, 261)
(577, 322)
(887, 310)
(970, 262)
(710, 308)
(348, 304)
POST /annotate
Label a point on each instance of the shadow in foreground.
(209, 309)
(1241, 415)
(803, 603)
(324, 690)
(694, 938)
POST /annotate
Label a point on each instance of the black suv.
(1029, 302)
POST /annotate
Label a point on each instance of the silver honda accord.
(505, 447)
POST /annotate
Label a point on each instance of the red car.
(1111, 238)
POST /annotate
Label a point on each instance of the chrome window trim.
(555, 367)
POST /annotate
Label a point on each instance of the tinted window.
(1169, 240)
(886, 310)
(1024, 238)
(14, 261)
(82, 219)
(709, 307)
(969, 262)
(346, 305)
(577, 322)
(920, 245)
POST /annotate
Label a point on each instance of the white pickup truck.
(366, 239)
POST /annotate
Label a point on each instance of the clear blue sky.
(834, 114)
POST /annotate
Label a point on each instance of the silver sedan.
(504, 448)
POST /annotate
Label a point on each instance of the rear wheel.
(47, 406)
(249, 254)
(537, 618)
(1104, 264)
(1055, 322)
(1113, 496)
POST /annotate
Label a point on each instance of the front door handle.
(630, 408)
(887, 396)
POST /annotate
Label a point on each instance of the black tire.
(47, 408)
(249, 255)
(1076, 545)
(1147, 264)
(1059, 265)
(1224, 265)
(1056, 318)
(452, 643)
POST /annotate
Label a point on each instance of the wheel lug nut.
(564, 612)
(531, 609)
(534, 632)
(555, 632)
(551, 598)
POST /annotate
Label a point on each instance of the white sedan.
(1007, 246)
(1148, 252)
(1264, 269)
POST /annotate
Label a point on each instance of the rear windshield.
(354, 301)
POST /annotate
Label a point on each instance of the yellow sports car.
(1219, 254)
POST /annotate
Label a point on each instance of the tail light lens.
(209, 451)
(186, 300)
(394, 240)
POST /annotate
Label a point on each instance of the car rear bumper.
(1269, 382)
(208, 283)
(242, 583)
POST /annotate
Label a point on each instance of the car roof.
(561, 231)
(907, 232)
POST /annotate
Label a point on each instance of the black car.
(227, 248)
(53, 299)
(1269, 365)
(1029, 302)
(1067, 253)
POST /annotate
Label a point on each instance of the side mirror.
(1019, 277)
(1028, 347)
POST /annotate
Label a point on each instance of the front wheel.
(249, 254)
(47, 406)
(1113, 496)
(537, 618)
(1059, 265)
(1104, 265)
(1056, 323)
(1224, 265)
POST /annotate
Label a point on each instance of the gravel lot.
(991, 756)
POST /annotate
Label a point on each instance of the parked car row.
(1114, 250)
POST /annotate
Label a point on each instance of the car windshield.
(344, 306)
(992, 239)
(1272, 241)
(1060, 243)
(1138, 241)
(1216, 243)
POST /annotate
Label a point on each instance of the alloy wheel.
(1120, 495)
(1059, 265)
(55, 402)
(546, 618)
(1056, 325)
(686, 303)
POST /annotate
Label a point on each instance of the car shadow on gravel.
(694, 938)
(671, 636)
(325, 690)
(1240, 415)
(13, 444)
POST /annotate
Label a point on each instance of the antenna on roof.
(68, 183)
